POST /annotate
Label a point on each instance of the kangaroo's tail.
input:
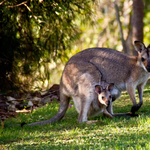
(64, 103)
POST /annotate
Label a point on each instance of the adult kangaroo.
(79, 78)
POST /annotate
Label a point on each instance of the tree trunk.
(137, 21)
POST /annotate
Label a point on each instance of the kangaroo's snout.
(104, 99)
(108, 103)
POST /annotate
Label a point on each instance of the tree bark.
(137, 22)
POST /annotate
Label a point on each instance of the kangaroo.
(100, 104)
(79, 78)
(91, 95)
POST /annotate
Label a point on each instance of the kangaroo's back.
(115, 66)
(91, 53)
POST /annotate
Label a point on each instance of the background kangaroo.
(79, 78)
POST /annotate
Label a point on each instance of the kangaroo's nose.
(108, 102)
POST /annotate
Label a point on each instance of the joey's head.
(104, 94)
(143, 54)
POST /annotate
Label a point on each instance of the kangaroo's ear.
(98, 89)
(110, 87)
(139, 46)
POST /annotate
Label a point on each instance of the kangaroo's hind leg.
(85, 104)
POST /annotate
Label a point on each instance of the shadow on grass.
(58, 128)
(121, 141)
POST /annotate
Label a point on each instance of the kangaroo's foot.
(129, 114)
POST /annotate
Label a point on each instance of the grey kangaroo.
(80, 76)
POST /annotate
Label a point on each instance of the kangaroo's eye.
(103, 97)
(110, 96)
(143, 59)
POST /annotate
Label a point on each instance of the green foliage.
(106, 31)
(34, 33)
(118, 133)
(146, 22)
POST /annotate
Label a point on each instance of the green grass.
(113, 134)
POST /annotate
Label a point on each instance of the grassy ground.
(115, 134)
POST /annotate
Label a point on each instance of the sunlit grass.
(118, 133)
